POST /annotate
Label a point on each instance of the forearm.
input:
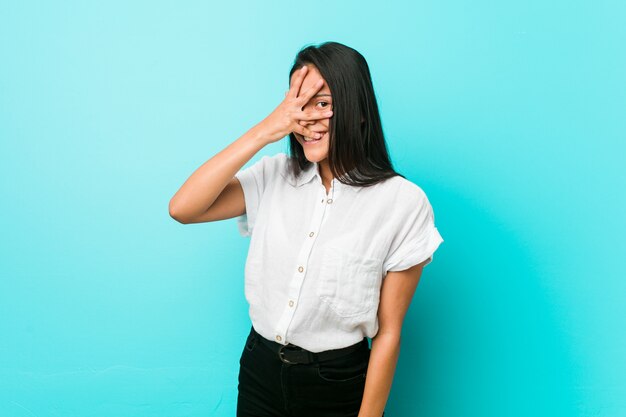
(380, 372)
(206, 183)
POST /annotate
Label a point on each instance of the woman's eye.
(323, 102)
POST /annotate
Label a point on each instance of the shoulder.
(270, 164)
(277, 160)
(403, 191)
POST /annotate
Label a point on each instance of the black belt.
(293, 354)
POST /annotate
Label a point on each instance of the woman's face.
(315, 151)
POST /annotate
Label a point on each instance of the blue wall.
(509, 115)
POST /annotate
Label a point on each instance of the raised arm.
(212, 192)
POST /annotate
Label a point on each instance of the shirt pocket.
(348, 283)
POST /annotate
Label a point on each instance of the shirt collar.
(305, 175)
(308, 174)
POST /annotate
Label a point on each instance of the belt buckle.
(280, 355)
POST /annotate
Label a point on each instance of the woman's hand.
(286, 117)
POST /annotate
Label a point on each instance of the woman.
(338, 243)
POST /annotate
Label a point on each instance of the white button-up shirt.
(316, 261)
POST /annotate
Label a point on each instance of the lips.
(307, 139)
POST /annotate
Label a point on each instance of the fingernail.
(303, 68)
(328, 113)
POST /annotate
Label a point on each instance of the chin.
(315, 156)
(317, 149)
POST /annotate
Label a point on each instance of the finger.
(318, 115)
(297, 82)
(306, 132)
(306, 96)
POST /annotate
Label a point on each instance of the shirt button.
(290, 303)
(279, 338)
(329, 201)
(300, 269)
(311, 234)
(322, 201)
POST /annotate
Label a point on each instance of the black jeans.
(270, 387)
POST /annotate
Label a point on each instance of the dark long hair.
(357, 153)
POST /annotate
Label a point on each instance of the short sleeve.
(416, 238)
(254, 181)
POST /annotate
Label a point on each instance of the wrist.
(256, 136)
